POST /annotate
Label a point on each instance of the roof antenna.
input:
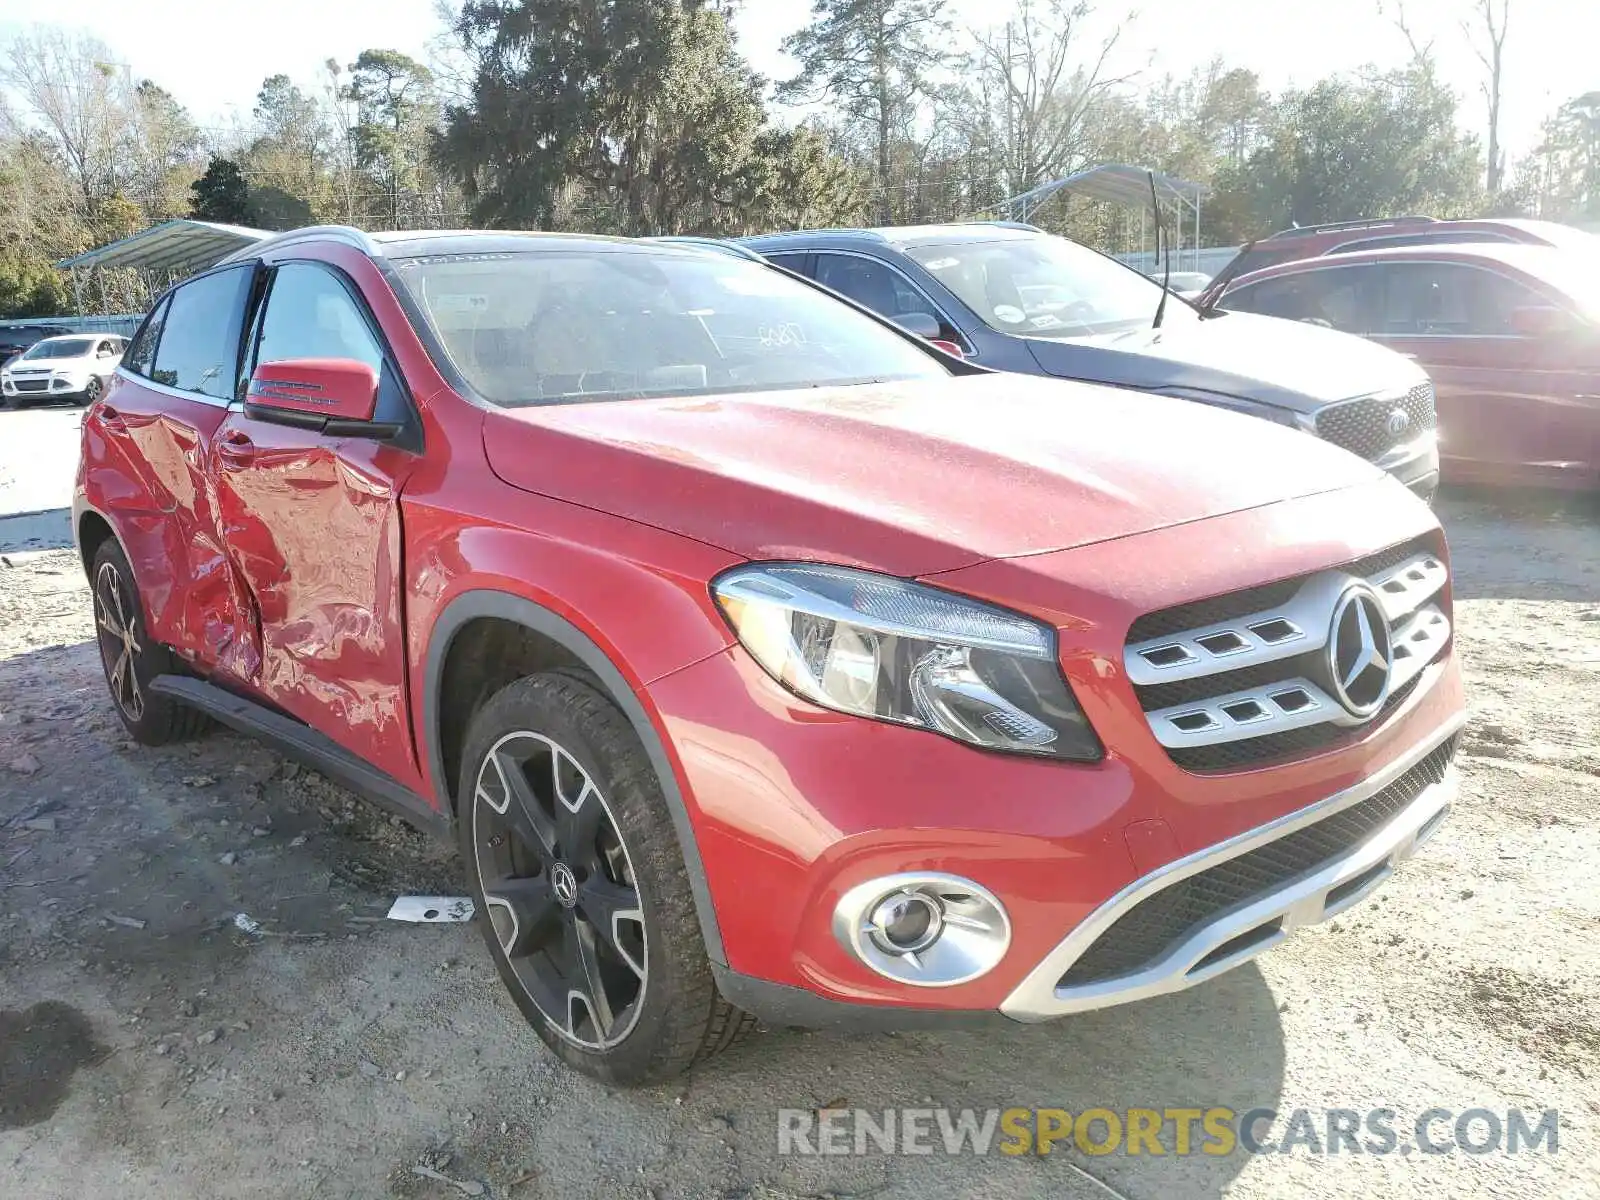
(1166, 277)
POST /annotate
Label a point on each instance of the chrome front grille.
(1376, 425)
(1265, 673)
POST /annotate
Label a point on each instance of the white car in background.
(75, 368)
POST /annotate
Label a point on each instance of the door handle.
(236, 451)
(109, 415)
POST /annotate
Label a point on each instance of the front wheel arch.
(571, 647)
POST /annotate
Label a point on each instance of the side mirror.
(948, 346)
(1542, 320)
(335, 396)
(923, 325)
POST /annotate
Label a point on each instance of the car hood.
(911, 478)
(1289, 364)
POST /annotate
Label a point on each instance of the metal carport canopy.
(1115, 182)
(181, 246)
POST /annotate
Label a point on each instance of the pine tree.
(872, 58)
(221, 194)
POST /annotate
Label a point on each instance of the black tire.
(131, 659)
(91, 391)
(677, 1016)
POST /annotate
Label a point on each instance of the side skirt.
(307, 747)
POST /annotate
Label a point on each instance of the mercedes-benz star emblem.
(1399, 422)
(564, 884)
(1359, 651)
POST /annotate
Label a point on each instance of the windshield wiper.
(1166, 277)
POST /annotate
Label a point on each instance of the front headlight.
(1240, 404)
(880, 647)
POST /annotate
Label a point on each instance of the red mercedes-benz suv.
(763, 661)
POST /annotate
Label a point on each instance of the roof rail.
(1335, 226)
(347, 234)
(1023, 225)
(870, 235)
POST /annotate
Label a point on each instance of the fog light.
(907, 922)
(923, 928)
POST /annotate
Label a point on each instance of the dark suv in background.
(1015, 298)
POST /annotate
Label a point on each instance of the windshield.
(59, 348)
(1046, 286)
(562, 326)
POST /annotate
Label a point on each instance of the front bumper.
(1227, 939)
(793, 807)
(27, 390)
(1237, 933)
(1415, 464)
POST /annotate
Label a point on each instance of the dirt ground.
(149, 1047)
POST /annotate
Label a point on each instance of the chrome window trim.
(168, 390)
(1038, 998)
(969, 347)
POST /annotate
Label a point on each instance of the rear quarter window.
(141, 354)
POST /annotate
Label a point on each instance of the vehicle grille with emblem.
(1287, 668)
(1373, 426)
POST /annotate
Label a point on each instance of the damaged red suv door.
(310, 521)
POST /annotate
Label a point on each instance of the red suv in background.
(1510, 336)
(760, 660)
(1344, 237)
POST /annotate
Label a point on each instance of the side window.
(310, 314)
(882, 289)
(864, 281)
(141, 354)
(1496, 298)
(1425, 299)
(908, 299)
(789, 262)
(199, 346)
(1336, 298)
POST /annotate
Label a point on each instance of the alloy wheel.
(119, 642)
(559, 889)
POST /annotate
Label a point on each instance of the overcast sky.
(213, 55)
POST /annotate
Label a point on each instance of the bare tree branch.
(1420, 51)
(1486, 37)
